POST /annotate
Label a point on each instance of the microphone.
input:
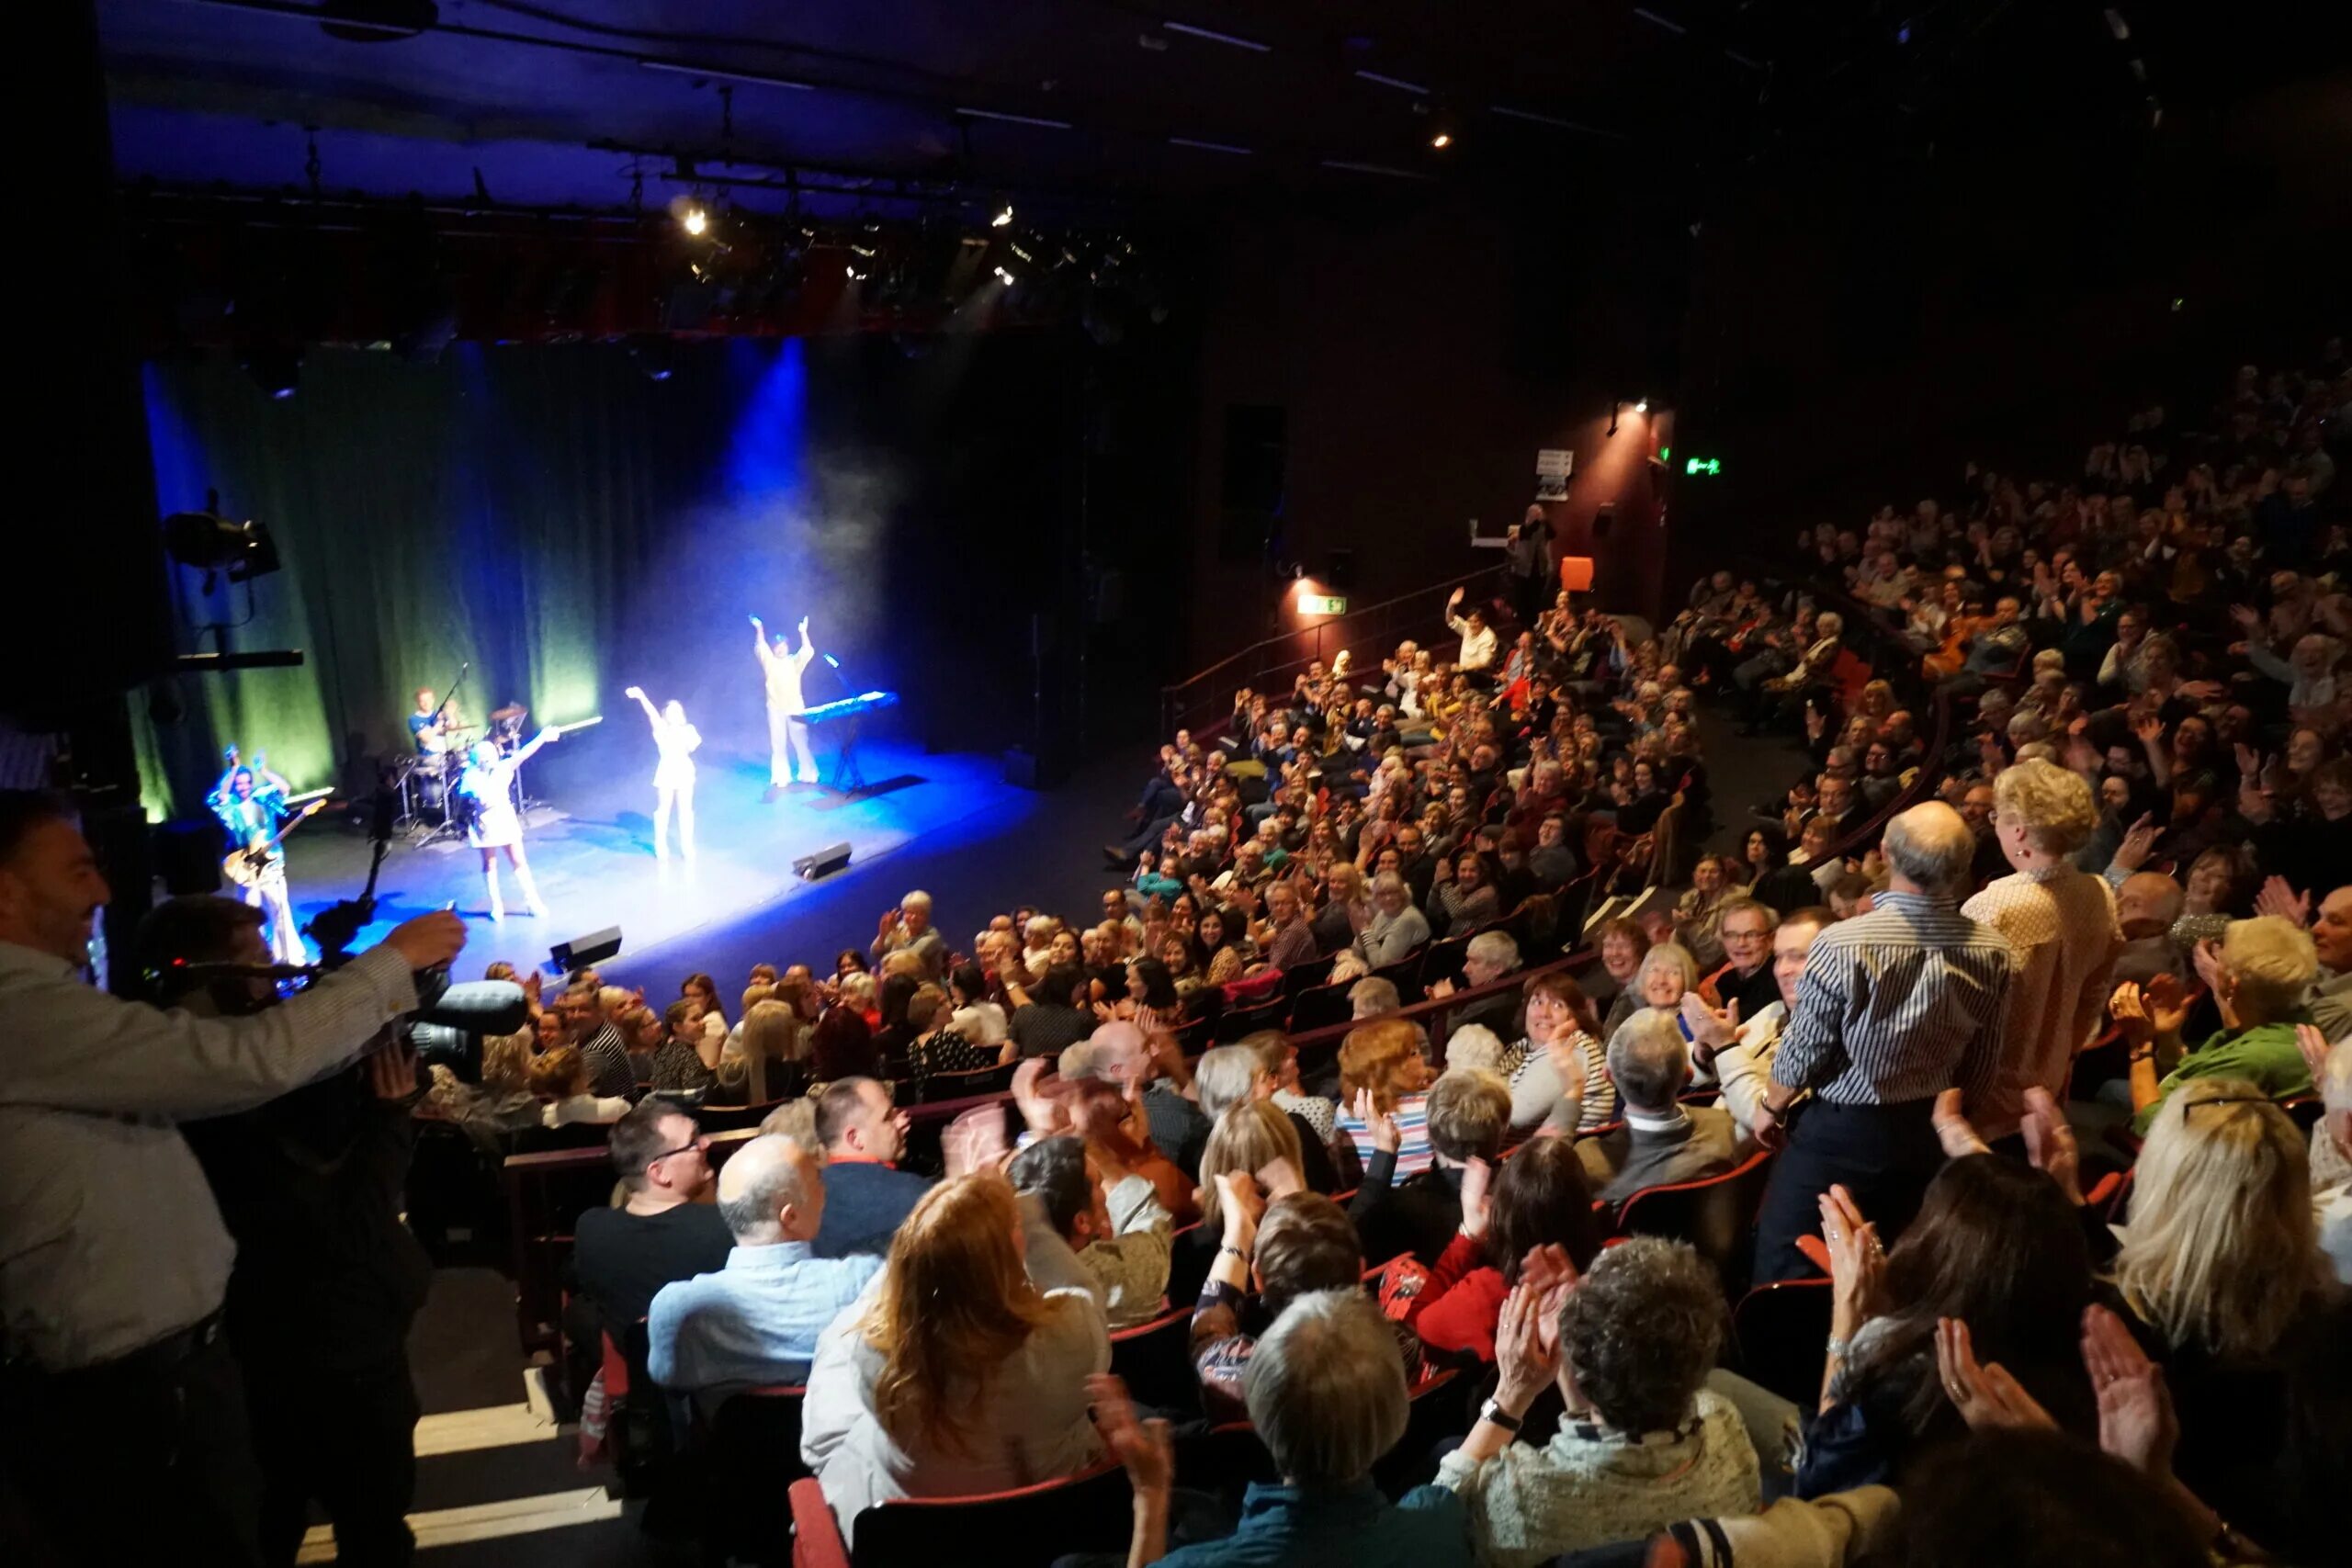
(830, 660)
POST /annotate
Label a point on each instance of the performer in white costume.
(674, 777)
(486, 790)
(787, 733)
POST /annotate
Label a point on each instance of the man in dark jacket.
(327, 1277)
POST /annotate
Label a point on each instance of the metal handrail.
(1274, 660)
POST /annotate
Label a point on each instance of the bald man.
(756, 1320)
(1894, 1007)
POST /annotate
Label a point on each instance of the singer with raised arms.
(674, 777)
(787, 731)
(486, 791)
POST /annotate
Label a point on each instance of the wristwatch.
(1493, 1411)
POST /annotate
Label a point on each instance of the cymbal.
(514, 712)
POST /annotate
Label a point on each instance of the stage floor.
(592, 853)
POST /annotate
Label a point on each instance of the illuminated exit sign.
(1703, 465)
(1321, 604)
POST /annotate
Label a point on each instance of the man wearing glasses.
(662, 1232)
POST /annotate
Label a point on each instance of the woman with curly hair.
(956, 1376)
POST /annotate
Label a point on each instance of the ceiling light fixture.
(1441, 141)
(1015, 118)
(720, 74)
(1212, 36)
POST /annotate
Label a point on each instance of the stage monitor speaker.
(824, 863)
(582, 951)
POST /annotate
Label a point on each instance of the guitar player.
(250, 802)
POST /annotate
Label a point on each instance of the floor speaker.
(824, 863)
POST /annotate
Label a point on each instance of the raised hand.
(1040, 1113)
(1526, 1357)
(1241, 1204)
(2127, 1007)
(1856, 1258)
(1712, 1027)
(1986, 1396)
(1954, 1129)
(2136, 1423)
(2050, 1143)
(2277, 898)
(2312, 1040)
(1477, 1176)
(1143, 1446)
(2139, 842)
(636, 692)
(1382, 1125)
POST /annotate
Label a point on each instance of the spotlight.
(1441, 141)
(1005, 277)
(1003, 219)
(1642, 407)
(694, 220)
(209, 543)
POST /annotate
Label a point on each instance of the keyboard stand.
(848, 777)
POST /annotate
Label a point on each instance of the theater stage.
(591, 850)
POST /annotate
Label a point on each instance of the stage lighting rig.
(206, 542)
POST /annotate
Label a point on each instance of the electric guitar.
(245, 867)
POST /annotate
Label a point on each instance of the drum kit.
(427, 779)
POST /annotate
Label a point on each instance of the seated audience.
(559, 1078)
(955, 1375)
(2259, 974)
(1117, 1232)
(1644, 1443)
(756, 1320)
(1327, 1404)
(1467, 1116)
(1662, 1141)
(868, 1196)
(1996, 1246)
(1536, 1199)
(661, 1231)
(1280, 1249)
(2219, 1262)
(1384, 1070)
(1557, 1084)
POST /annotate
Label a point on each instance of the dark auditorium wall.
(1865, 321)
(1420, 355)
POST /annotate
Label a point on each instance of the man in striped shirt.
(1895, 1005)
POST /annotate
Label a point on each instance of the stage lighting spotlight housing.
(208, 543)
(583, 950)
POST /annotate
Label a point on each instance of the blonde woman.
(2220, 1261)
(1252, 1137)
(2062, 926)
(2258, 973)
(768, 1053)
(956, 1376)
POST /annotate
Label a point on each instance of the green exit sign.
(1321, 604)
(1703, 465)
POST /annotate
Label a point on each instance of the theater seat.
(1026, 1528)
(1783, 1332)
(1154, 1360)
(1715, 1215)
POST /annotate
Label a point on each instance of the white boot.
(497, 904)
(530, 891)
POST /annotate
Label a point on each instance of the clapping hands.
(1380, 1124)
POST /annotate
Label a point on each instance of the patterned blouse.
(1591, 1485)
(946, 1052)
(678, 1065)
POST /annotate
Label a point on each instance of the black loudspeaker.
(824, 863)
(188, 850)
(582, 951)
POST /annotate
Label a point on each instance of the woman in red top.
(1538, 1198)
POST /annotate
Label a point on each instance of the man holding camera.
(127, 1436)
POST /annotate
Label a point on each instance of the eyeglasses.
(2197, 1105)
(701, 1143)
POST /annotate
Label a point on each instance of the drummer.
(427, 725)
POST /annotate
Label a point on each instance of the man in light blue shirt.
(756, 1321)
